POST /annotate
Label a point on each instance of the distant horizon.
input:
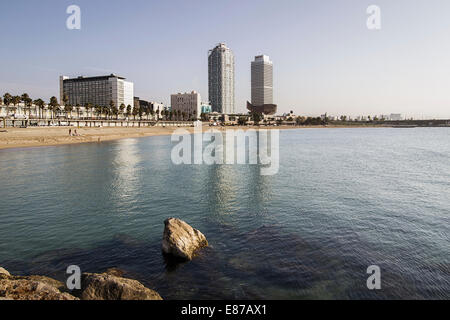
(325, 58)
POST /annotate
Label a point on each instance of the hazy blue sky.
(325, 58)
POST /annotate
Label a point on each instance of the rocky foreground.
(180, 240)
(105, 286)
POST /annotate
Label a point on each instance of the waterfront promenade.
(6, 122)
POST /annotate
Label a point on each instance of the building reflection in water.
(237, 189)
(125, 169)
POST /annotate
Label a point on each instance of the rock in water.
(181, 240)
(109, 287)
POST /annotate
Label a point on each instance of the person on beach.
(70, 132)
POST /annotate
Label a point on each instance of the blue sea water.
(344, 199)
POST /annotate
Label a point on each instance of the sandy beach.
(35, 137)
(52, 136)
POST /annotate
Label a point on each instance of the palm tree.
(113, 110)
(7, 99)
(112, 106)
(53, 106)
(106, 111)
(29, 104)
(256, 117)
(135, 112)
(98, 110)
(128, 110)
(24, 98)
(68, 109)
(65, 99)
(88, 107)
(15, 101)
(41, 104)
(78, 110)
(122, 108)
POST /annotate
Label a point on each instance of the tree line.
(107, 112)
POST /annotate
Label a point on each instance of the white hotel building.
(97, 90)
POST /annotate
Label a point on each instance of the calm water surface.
(343, 199)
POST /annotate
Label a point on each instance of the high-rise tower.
(262, 81)
(221, 79)
(262, 86)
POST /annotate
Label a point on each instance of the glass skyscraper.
(221, 79)
(262, 81)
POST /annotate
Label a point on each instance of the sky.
(325, 58)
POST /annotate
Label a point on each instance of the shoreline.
(20, 138)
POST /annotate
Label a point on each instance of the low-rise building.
(395, 117)
(158, 108)
(189, 103)
(150, 107)
(206, 108)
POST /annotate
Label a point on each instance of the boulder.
(107, 286)
(181, 240)
(4, 271)
(31, 288)
(115, 272)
